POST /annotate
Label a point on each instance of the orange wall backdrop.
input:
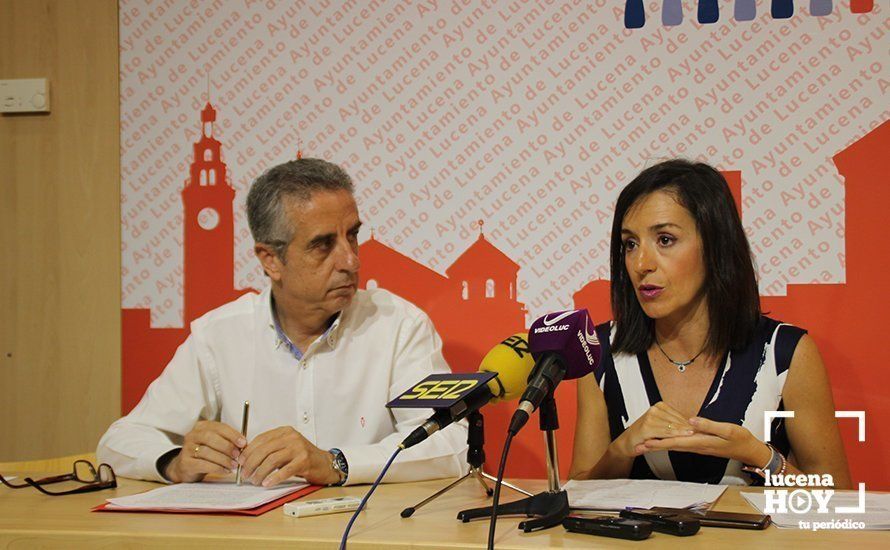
(489, 143)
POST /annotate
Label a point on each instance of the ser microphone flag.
(502, 376)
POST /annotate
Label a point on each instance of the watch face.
(340, 461)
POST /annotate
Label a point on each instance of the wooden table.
(30, 519)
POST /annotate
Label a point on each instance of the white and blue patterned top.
(748, 382)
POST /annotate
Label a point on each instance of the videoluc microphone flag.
(502, 376)
(565, 346)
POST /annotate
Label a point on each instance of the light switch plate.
(24, 95)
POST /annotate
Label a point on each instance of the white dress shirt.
(335, 396)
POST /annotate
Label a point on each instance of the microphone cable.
(497, 490)
(364, 501)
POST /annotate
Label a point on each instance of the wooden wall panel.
(60, 231)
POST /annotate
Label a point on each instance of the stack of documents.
(207, 497)
(618, 494)
(876, 515)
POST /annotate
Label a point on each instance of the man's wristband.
(164, 460)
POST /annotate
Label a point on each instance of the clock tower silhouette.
(208, 226)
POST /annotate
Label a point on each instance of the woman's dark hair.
(730, 281)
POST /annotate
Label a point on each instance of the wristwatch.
(775, 466)
(339, 465)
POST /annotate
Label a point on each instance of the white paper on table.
(205, 496)
(618, 494)
(876, 516)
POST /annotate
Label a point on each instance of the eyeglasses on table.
(82, 471)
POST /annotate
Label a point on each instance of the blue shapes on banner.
(634, 17)
(820, 8)
(782, 9)
(745, 10)
(708, 11)
(672, 13)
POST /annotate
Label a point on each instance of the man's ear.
(269, 260)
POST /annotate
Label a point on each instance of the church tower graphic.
(209, 226)
(209, 259)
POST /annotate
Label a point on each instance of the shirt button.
(303, 363)
(305, 417)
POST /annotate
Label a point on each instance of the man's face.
(319, 271)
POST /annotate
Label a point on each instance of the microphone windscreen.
(570, 335)
(513, 362)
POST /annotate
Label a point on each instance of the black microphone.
(502, 376)
(565, 346)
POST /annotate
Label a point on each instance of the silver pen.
(244, 433)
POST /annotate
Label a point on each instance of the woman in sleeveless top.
(690, 366)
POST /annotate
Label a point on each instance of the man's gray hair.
(297, 179)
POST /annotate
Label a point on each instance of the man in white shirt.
(317, 359)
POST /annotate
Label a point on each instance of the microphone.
(502, 376)
(565, 346)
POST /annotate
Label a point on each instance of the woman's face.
(663, 256)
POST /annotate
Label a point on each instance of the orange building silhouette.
(383, 267)
(473, 307)
(475, 304)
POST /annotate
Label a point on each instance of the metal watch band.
(339, 465)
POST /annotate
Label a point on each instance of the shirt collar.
(330, 335)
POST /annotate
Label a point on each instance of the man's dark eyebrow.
(328, 237)
(321, 239)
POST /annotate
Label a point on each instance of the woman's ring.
(197, 449)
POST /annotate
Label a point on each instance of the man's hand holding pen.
(209, 448)
(276, 455)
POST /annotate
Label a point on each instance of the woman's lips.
(650, 292)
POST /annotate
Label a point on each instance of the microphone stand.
(548, 508)
(475, 458)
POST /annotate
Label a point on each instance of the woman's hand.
(659, 422)
(723, 439)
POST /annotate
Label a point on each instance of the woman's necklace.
(681, 365)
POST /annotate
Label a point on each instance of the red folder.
(248, 512)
